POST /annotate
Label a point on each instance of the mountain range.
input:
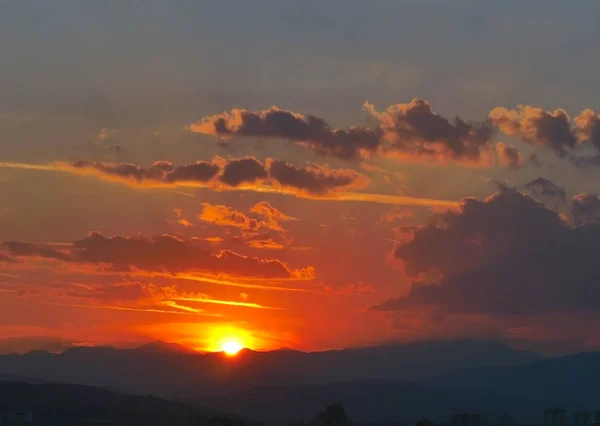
(390, 383)
(173, 371)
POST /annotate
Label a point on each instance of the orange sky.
(212, 179)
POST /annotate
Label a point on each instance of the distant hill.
(569, 380)
(173, 371)
(65, 402)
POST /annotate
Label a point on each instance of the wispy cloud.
(365, 197)
(225, 302)
(130, 309)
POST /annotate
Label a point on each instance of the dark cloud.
(509, 156)
(162, 254)
(545, 188)
(130, 292)
(534, 160)
(201, 171)
(19, 248)
(478, 233)
(156, 172)
(243, 170)
(307, 129)
(7, 259)
(317, 180)
(411, 129)
(313, 179)
(537, 127)
(553, 130)
(585, 208)
(558, 275)
(416, 130)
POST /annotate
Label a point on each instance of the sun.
(231, 347)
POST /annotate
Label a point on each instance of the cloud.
(18, 248)
(205, 299)
(161, 254)
(225, 216)
(506, 255)
(312, 179)
(243, 170)
(585, 208)
(550, 129)
(405, 130)
(395, 214)
(364, 197)
(477, 233)
(130, 292)
(316, 180)
(200, 171)
(294, 127)
(106, 133)
(180, 218)
(7, 259)
(545, 188)
(267, 211)
(126, 171)
(413, 129)
(509, 156)
(557, 275)
(588, 126)
(260, 227)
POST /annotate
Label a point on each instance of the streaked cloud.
(164, 253)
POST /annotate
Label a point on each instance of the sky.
(312, 175)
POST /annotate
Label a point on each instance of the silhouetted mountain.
(377, 401)
(164, 370)
(570, 379)
(67, 402)
(158, 346)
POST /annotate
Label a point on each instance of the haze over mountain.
(569, 380)
(170, 370)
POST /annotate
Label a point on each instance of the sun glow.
(231, 346)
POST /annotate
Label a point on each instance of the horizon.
(158, 343)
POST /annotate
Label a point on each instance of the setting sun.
(231, 347)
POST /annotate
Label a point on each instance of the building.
(555, 417)
(425, 423)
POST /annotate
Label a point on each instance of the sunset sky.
(304, 174)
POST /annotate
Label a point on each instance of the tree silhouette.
(335, 415)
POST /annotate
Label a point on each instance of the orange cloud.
(165, 253)
(550, 129)
(259, 227)
(225, 302)
(333, 196)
